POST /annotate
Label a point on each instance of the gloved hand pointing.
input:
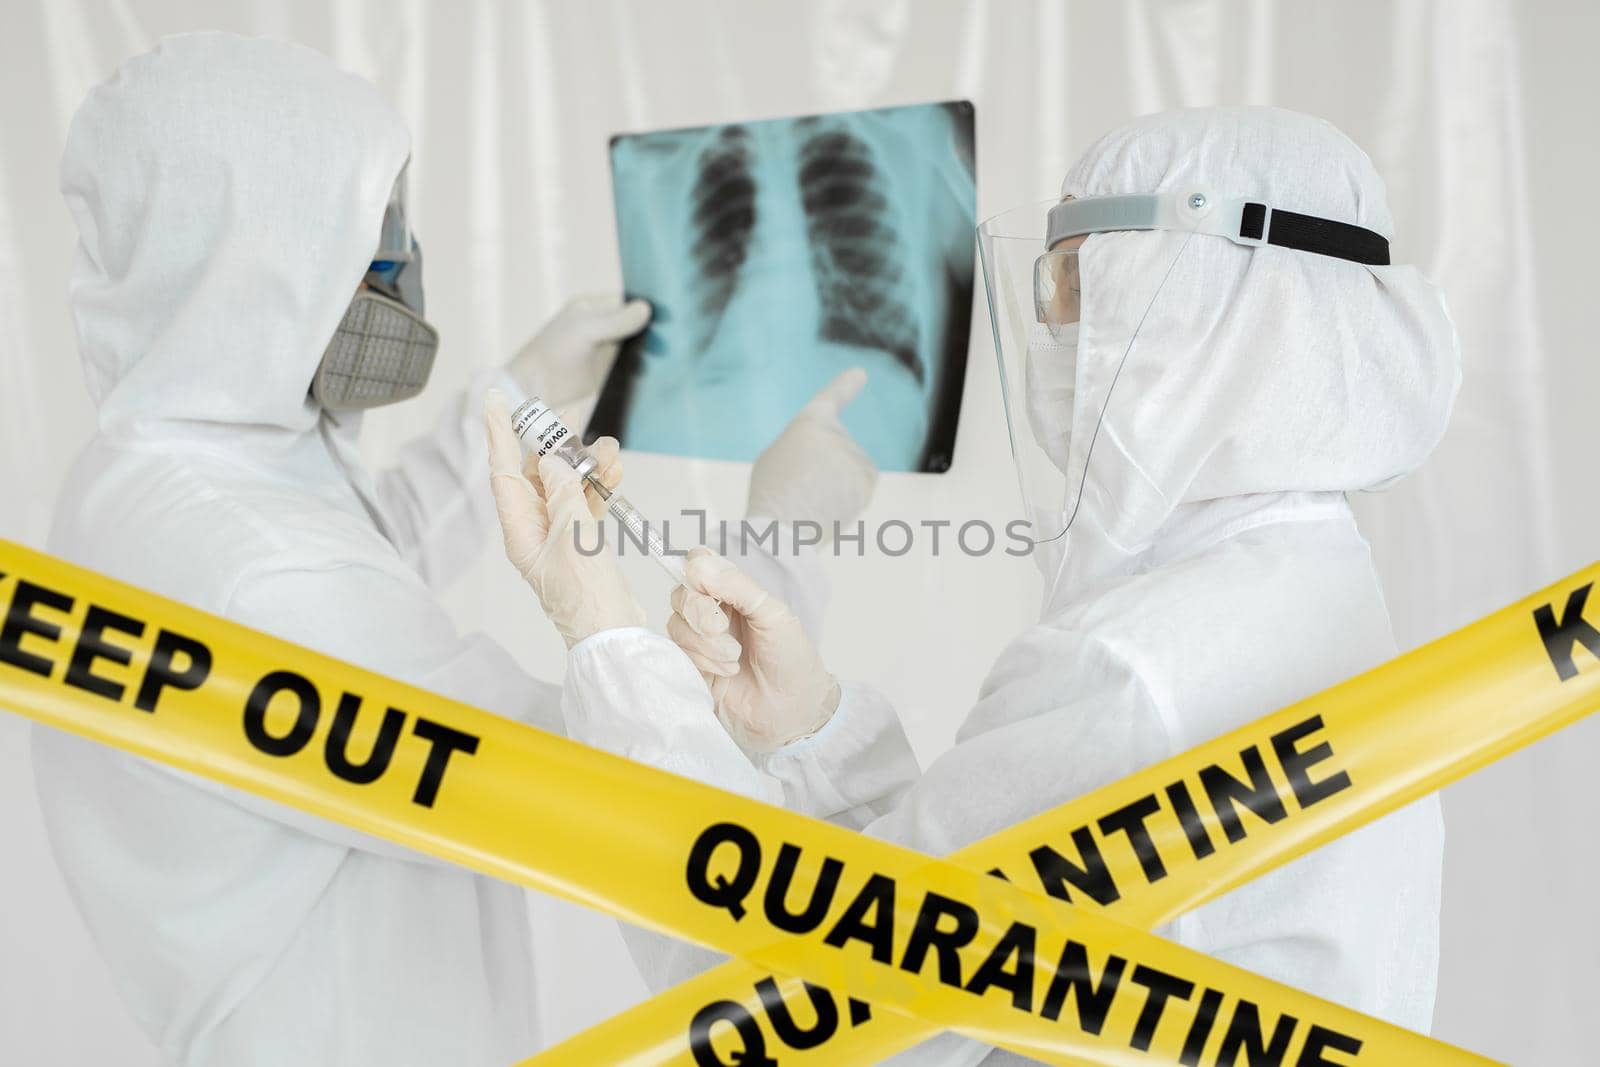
(766, 678)
(541, 504)
(815, 470)
(569, 357)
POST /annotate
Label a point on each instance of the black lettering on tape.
(1205, 1017)
(305, 723)
(1130, 820)
(1573, 629)
(1297, 762)
(783, 1024)
(21, 622)
(926, 934)
(160, 673)
(446, 743)
(816, 908)
(1073, 978)
(1321, 1040)
(336, 751)
(1259, 794)
(1244, 1034)
(752, 1051)
(1009, 966)
(869, 919)
(1162, 988)
(860, 1011)
(721, 891)
(92, 645)
(1089, 875)
(1189, 818)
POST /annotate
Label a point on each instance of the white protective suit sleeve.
(634, 693)
(372, 619)
(433, 497)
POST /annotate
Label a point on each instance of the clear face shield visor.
(383, 349)
(1034, 275)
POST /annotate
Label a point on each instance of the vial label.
(538, 426)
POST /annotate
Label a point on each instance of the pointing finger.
(834, 397)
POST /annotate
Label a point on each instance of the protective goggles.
(394, 239)
(1057, 292)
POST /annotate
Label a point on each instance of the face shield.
(383, 349)
(1037, 287)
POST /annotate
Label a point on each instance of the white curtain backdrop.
(1478, 112)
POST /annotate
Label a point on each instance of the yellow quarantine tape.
(1165, 840)
(949, 946)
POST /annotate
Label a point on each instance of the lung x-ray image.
(777, 254)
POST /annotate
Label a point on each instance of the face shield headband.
(1244, 222)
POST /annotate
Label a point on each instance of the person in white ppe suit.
(230, 194)
(1207, 346)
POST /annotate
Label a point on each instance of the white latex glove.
(767, 681)
(569, 358)
(541, 504)
(815, 470)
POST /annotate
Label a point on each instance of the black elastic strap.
(1308, 233)
(1252, 221)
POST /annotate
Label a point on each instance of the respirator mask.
(383, 349)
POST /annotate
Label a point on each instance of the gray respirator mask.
(383, 349)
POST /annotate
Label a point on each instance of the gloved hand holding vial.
(544, 434)
(540, 503)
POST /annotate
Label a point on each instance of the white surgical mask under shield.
(1050, 377)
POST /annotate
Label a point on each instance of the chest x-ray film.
(777, 254)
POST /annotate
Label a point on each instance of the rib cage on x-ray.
(859, 281)
(778, 253)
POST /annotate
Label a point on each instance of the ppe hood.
(228, 194)
(1257, 369)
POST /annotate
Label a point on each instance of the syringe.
(542, 430)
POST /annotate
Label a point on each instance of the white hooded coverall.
(1214, 572)
(228, 194)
